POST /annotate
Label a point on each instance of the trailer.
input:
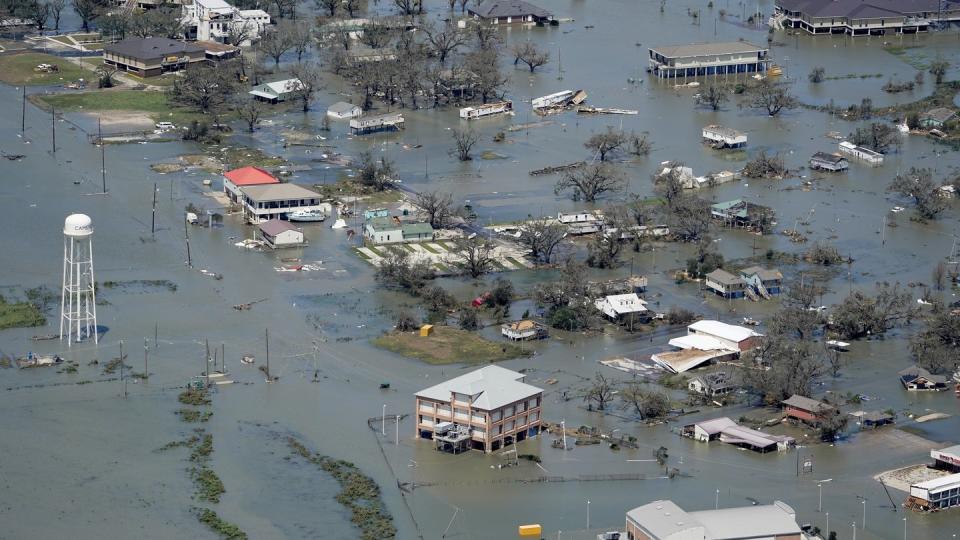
(488, 109)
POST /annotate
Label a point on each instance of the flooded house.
(806, 410)
(937, 118)
(742, 214)
(620, 307)
(342, 110)
(152, 56)
(234, 180)
(581, 222)
(664, 520)
(390, 230)
(856, 18)
(276, 234)
(485, 409)
(371, 124)
(264, 202)
(216, 20)
(764, 281)
(524, 330)
(916, 378)
(723, 137)
(936, 494)
(947, 459)
(727, 431)
(706, 341)
(487, 109)
(510, 12)
(277, 91)
(872, 419)
(861, 153)
(711, 384)
(725, 284)
(822, 161)
(708, 59)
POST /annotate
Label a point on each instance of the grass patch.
(430, 248)
(358, 492)
(376, 251)
(167, 79)
(224, 529)
(18, 68)
(151, 103)
(194, 396)
(408, 247)
(209, 485)
(516, 263)
(19, 315)
(448, 345)
(193, 416)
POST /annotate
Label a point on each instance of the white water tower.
(78, 301)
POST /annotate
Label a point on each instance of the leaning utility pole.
(186, 235)
(153, 217)
(266, 334)
(53, 129)
(23, 113)
(146, 372)
(103, 156)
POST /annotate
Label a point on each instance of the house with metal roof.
(391, 230)
(523, 330)
(708, 59)
(510, 12)
(916, 378)
(822, 161)
(937, 118)
(723, 137)
(277, 91)
(706, 341)
(342, 110)
(244, 176)
(618, 307)
(152, 56)
(764, 281)
(486, 409)
(865, 17)
(664, 520)
(725, 284)
(806, 409)
(279, 234)
(263, 202)
(727, 431)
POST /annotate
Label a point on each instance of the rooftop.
(860, 8)
(829, 158)
(416, 228)
(914, 372)
(708, 49)
(721, 330)
(723, 131)
(664, 519)
(276, 88)
(765, 274)
(250, 176)
(806, 404)
(491, 387)
(383, 223)
(509, 8)
(150, 48)
(341, 107)
(723, 277)
(278, 192)
(940, 114)
(274, 227)
(943, 481)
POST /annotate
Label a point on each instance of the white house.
(724, 137)
(216, 20)
(861, 153)
(706, 341)
(388, 230)
(581, 222)
(617, 306)
(277, 91)
(268, 201)
(279, 234)
(342, 110)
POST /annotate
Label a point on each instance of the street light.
(820, 488)
(854, 526)
(905, 528)
(716, 504)
(383, 421)
(864, 525)
(588, 514)
(828, 523)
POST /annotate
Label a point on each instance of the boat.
(247, 359)
(307, 215)
(836, 345)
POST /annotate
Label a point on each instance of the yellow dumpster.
(530, 530)
(426, 330)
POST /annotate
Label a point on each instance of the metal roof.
(708, 49)
(722, 276)
(761, 521)
(150, 48)
(417, 228)
(491, 387)
(829, 158)
(278, 192)
(274, 227)
(939, 114)
(722, 330)
(664, 519)
(250, 176)
(938, 483)
(712, 427)
(510, 8)
(807, 404)
(765, 274)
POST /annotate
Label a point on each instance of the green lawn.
(18, 68)
(430, 248)
(167, 79)
(153, 103)
(19, 315)
(518, 264)
(448, 345)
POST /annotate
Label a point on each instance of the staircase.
(750, 294)
(763, 290)
(776, 21)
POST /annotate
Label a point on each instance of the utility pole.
(146, 372)
(103, 156)
(156, 329)
(223, 357)
(186, 235)
(53, 129)
(153, 217)
(206, 364)
(266, 334)
(23, 113)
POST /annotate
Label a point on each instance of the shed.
(279, 234)
(342, 110)
(426, 330)
(829, 162)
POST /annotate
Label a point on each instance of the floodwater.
(81, 460)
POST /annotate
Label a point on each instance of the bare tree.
(473, 256)
(56, 11)
(816, 74)
(88, 11)
(377, 34)
(771, 97)
(542, 236)
(307, 80)
(204, 88)
(486, 35)
(878, 136)
(918, 184)
(648, 403)
(301, 37)
(435, 207)
(39, 12)
(409, 7)
(764, 166)
(352, 7)
(487, 81)
(590, 181)
(444, 40)
(861, 315)
(600, 392)
(249, 110)
(376, 173)
(528, 53)
(275, 44)
(938, 68)
(638, 145)
(606, 142)
(939, 275)
(329, 6)
(714, 96)
(464, 141)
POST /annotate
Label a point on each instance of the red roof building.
(245, 176)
